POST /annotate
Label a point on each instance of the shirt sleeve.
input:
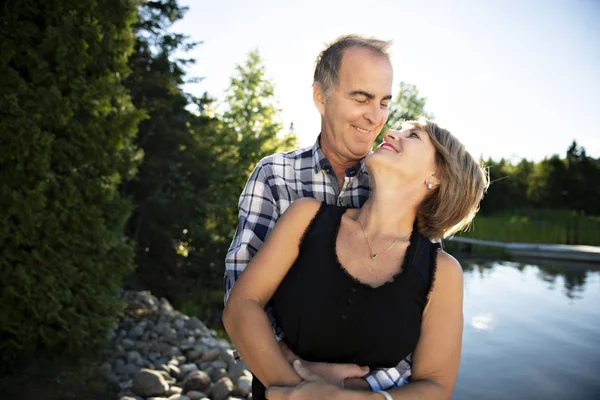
(258, 212)
(384, 379)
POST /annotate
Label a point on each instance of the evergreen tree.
(171, 191)
(66, 136)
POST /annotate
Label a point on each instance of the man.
(352, 88)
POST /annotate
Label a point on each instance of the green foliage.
(66, 136)
(408, 105)
(250, 130)
(171, 190)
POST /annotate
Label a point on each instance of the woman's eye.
(413, 134)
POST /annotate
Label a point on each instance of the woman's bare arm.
(244, 317)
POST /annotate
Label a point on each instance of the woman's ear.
(432, 181)
(319, 98)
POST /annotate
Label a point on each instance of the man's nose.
(376, 114)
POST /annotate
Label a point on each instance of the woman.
(367, 286)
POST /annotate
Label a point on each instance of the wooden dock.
(590, 254)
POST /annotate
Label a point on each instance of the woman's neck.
(389, 213)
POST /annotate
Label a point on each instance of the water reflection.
(532, 331)
(573, 274)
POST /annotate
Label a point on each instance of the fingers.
(304, 372)
(277, 393)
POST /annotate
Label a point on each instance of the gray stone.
(237, 370)
(179, 397)
(193, 355)
(149, 383)
(127, 369)
(217, 373)
(186, 369)
(221, 389)
(174, 370)
(197, 380)
(179, 323)
(196, 395)
(211, 353)
(174, 390)
(219, 364)
(195, 323)
(136, 332)
(128, 343)
(243, 386)
(135, 357)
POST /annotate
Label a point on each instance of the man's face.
(357, 107)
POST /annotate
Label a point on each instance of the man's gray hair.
(330, 59)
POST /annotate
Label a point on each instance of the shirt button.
(348, 301)
(344, 317)
(352, 289)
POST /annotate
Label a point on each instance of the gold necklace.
(374, 255)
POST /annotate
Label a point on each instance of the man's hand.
(342, 375)
(313, 388)
(336, 373)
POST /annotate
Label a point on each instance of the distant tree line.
(555, 183)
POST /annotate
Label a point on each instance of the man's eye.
(361, 101)
(385, 105)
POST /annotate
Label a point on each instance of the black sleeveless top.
(327, 315)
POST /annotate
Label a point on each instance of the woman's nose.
(390, 136)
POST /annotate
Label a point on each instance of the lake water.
(532, 331)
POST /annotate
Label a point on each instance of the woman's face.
(408, 153)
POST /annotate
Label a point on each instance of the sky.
(511, 79)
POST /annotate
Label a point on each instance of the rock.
(221, 389)
(179, 323)
(173, 370)
(178, 397)
(136, 332)
(127, 369)
(130, 398)
(237, 370)
(194, 323)
(174, 390)
(219, 364)
(196, 395)
(243, 387)
(211, 353)
(149, 383)
(196, 380)
(185, 369)
(217, 373)
(135, 357)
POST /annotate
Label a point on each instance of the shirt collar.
(320, 162)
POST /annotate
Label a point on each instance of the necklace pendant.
(373, 255)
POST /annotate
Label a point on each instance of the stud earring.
(429, 185)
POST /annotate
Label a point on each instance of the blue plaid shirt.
(276, 182)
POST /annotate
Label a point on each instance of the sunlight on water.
(532, 331)
(481, 322)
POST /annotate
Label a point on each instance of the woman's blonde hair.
(452, 205)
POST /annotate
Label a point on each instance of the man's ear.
(319, 98)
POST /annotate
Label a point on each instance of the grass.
(65, 378)
(537, 226)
